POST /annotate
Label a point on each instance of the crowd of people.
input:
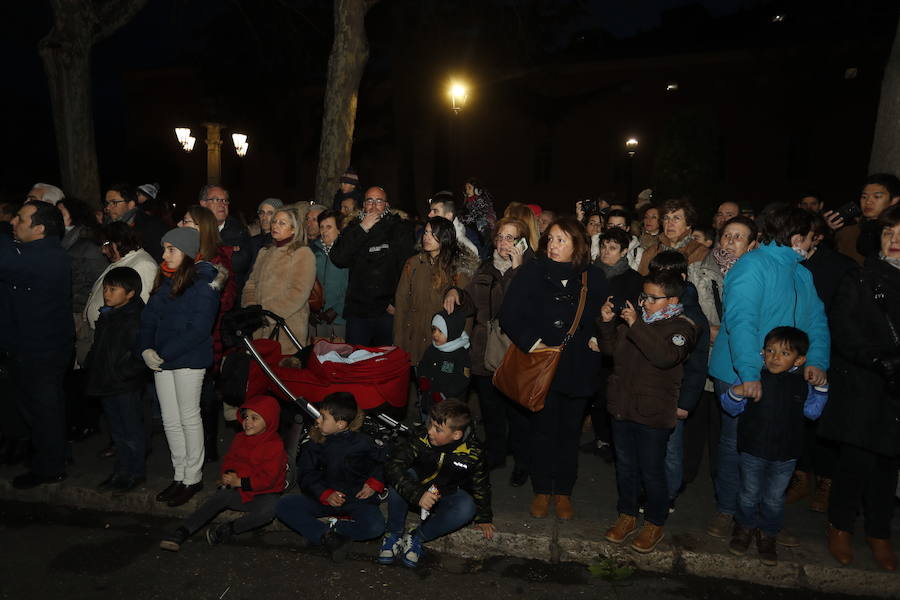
(771, 339)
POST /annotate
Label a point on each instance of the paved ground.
(686, 550)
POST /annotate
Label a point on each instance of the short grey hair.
(52, 194)
(317, 207)
(205, 189)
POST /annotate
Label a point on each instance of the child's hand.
(487, 529)
(814, 375)
(365, 492)
(428, 499)
(336, 499)
(750, 389)
(680, 413)
(231, 480)
(606, 311)
(593, 345)
(629, 315)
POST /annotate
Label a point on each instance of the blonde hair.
(298, 225)
(517, 210)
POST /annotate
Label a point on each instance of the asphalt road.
(52, 552)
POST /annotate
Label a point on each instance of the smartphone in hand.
(522, 244)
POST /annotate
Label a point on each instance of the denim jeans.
(761, 499)
(448, 514)
(640, 459)
(125, 415)
(259, 512)
(728, 473)
(301, 513)
(675, 459)
(371, 331)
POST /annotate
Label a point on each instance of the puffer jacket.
(111, 364)
(259, 460)
(180, 328)
(87, 263)
(342, 462)
(417, 300)
(649, 358)
(458, 465)
(281, 282)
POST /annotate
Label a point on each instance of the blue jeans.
(675, 459)
(761, 500)
(640, 459)
(371, 331)
(728, 471)
(301, 513)
(448, 514)
(125, 415)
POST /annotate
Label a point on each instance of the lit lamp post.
(458, 96)
(631, 145)
(213, 148)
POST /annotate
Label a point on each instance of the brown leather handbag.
(316, 298)
(525, 377)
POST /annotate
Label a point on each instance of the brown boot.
(625, 525)
(883, 553)
(820, 496)
(564, 507)
(799, 487)
(648, 538)
(840, 544)
(540, 506)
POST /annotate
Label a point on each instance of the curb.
(676, 555)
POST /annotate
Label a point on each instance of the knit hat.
(186, 239)
(452, 325)
(273, 202)
(149, 189)
(537, 210)
(351, 178)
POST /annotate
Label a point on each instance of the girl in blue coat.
(176, 343)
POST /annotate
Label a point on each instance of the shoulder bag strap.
(581, 300)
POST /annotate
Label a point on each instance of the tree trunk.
(349, 54)
(66, 53)
(885, 156)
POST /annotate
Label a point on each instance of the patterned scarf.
(724, 258)
(671, 310)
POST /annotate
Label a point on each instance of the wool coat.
(694, 251)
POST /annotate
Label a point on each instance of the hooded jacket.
(138, 260)
(259, 460)
(446, 373)
(342, 462)
(180, 328)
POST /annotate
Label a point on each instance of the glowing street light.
(458, 96)
(631, 145)
(185, 138)
(241, 145)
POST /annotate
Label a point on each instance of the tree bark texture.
(349, 54)
(66, 53)
(885, 157)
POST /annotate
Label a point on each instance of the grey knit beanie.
(186, 239)
(273, 202)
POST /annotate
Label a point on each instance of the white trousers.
(179, 402)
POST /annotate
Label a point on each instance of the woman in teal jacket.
(766, 288)
(330, 320)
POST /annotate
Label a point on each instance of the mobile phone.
(522, 244)
(849, 211)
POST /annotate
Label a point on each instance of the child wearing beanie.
(444, 369)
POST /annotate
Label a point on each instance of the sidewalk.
(686, 548)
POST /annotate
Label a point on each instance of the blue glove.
(815, 402)
(732, 403)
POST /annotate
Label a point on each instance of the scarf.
(284, 242)
(165, 270)
(617, 269)
(724, 258)
(671, 310)
(500, 263)
(894, 262)
(461, 342)
(679, 244)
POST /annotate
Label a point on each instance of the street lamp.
(241, 145)
(185, 138)
(458, 96)
(631, 145)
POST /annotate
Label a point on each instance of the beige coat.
(694, 251)
(417, 300)
(281, 282)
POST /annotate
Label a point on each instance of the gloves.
(152, 359)
(732, 403)
(815, 402)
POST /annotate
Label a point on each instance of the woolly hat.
(452, 325)
(350, 177)
(273, 202)
(149, 189)
(186, 239)
(537, 210)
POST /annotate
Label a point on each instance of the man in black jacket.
(36, 328)
(232, 231)
(375, 248)
(121, 204)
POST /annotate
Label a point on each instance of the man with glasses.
(231, 230)
(264, 212)
(374, 248)
(120, 203)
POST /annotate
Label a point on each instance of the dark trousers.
(371, 331)
(210, 408)
(641, 461)
(258, 512)
(702, 429)
(301, 513)
(505, 425)
(819, 455)
(600, 419)
(863, 480)
(555, 431)
(41, 402)
(125, 414)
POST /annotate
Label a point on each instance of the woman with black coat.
(538, 309)
(863, 412)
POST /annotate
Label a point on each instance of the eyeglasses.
(376, 201)
(504, 238)
(265, 212)
(644, 297)
(113, 202)
(186, 221)
(217, 200)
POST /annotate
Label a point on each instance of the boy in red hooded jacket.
(253, 477)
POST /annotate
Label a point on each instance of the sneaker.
(173, 542)
(391, 546)
(740, 540)
(219, 535)
(765, 545)
(413, 551)
(720, 525)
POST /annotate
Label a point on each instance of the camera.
(590, 206)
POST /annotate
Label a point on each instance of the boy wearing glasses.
(648, 350)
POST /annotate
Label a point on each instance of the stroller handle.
(299, 401)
